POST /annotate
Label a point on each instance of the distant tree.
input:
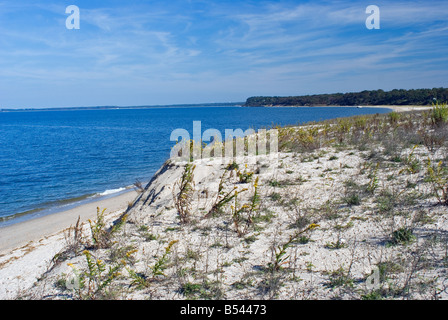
(375, 97)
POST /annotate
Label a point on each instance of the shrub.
(96, 279)
(245, 176)
(394, 117)
(280, 252)
(161, 263)
(438, 177)
(186, 189)
(222, 198)
(412, 163)
(243, 216)
(102, 237)
(403, 235)
(439, 115)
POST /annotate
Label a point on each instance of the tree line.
(375, 97)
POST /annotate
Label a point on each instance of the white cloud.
(270, 48)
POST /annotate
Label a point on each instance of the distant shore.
(396, 108)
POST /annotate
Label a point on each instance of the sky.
(144, 52)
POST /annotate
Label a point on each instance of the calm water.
(52, 159)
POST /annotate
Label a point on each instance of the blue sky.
(172, 52)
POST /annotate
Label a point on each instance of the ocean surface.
(53, 160)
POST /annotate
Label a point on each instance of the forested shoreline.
(376, 97)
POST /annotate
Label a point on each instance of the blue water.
(51, 159)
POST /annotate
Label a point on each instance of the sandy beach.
(342, 233)
(27, 248)
(401, 108)
(395, 108)
(20, 234)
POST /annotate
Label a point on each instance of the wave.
(112, 191)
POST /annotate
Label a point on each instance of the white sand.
(26, 248)
(392, 107)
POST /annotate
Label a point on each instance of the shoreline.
(24, 232)
(28, 248)
(58, 206)
(396, 108)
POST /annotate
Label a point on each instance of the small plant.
(275, 196)
(222, 198)
(138, 185)
(74, 243)
(372, 295)
(144, 232)
(329, 210)
(403, 235)
(243, 216)
(343, 128)
(98, 229)
(141, 280)
(339, 244)
(373, 183)
(309, 266)
(245, 176)
(185, 196)
(353, 199)
(274, 183)
(138, 279)
(102, 237)
(232, 166)
(340, 278)
(438, 177)
(161, 262)
(386, 201)
(95, 280)
(280, 252)
(303, 239)
(190, 289)
(74, 240)
(412, 163)
(207, 290)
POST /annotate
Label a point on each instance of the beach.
(297, 193)
(402, 108)
(395, 108)
(27, 248)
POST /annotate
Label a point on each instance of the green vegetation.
(439, 114)
(185, 194)
(376, 97)
(101, 236)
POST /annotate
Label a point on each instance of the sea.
(51, 161)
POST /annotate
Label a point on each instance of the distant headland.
(397, 97)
